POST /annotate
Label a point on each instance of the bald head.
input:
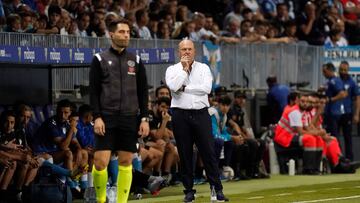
(187, 50)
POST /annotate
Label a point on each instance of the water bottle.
(274, 165)
(291, 165)
(111, 194)
(213, 195)
(137, 163)
(90, 195)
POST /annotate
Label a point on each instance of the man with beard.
(350, 115)
(335, 94)
(290, 133)
(118, 90)
(161, 132)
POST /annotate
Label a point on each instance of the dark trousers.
(345, 124)
(332, 124)
(194, 126)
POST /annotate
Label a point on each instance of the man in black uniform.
(118, 90)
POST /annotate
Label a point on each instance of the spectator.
(282, 15)
(142, 20)
(54, 13)
(309, 26)
(233, 29)
(335, 39)
(97, 23)
(153, 25)
(290, 30)
(238, 7)
(27, 22)
(185, 30)
(13, 23)
(276, 98)
(83, 23)
(163, 31)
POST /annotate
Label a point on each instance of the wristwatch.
(145, 119)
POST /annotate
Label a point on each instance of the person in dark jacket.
(118, 90)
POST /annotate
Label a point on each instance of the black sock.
(165, 173)
(156, 173)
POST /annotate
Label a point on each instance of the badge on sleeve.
(131, 68)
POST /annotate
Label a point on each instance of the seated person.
(23, 164)
(161, 131)
(57, 137)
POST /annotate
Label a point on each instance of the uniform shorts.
(120, 134)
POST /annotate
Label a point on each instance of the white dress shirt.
(198, 85)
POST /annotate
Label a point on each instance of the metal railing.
(290, 62)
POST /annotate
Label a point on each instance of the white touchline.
(256, 197)
(308, 191)
(282, 194)
(330, 199)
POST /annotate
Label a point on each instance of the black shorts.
(120, 134)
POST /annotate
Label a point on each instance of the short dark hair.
(113, 25)
(4, 116)
(165, 100)
(329, 66)
(344, 62)
(224, 100)
(54, 9)
(292, 97)
(85, 109)
(63, 103)
(140, 13)
(271, 80)
(161, 87)
(74, 114)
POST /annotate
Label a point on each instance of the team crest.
(131, 63)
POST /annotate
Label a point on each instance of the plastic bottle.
(90, 195)
(213, 195)
(111, 194)
(137, 163)
(274, 165)
(291, 167)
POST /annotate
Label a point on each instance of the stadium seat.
(39, 114)
(48, 111)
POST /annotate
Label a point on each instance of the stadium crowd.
(331, 23)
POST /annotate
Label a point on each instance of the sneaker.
(189, 197)
(156, 184)
(221, 197)
(168, 178)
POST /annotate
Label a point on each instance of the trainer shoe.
(156, 184)
(189, 197)
(221, 197)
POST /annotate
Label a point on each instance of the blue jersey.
(353, 91)
(48, 131)
(218, 122)
(334, 86)
(278, 93)
(85, 134)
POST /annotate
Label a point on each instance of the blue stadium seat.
(48, 111)
(39, 114)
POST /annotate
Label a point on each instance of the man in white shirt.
(190, 83)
